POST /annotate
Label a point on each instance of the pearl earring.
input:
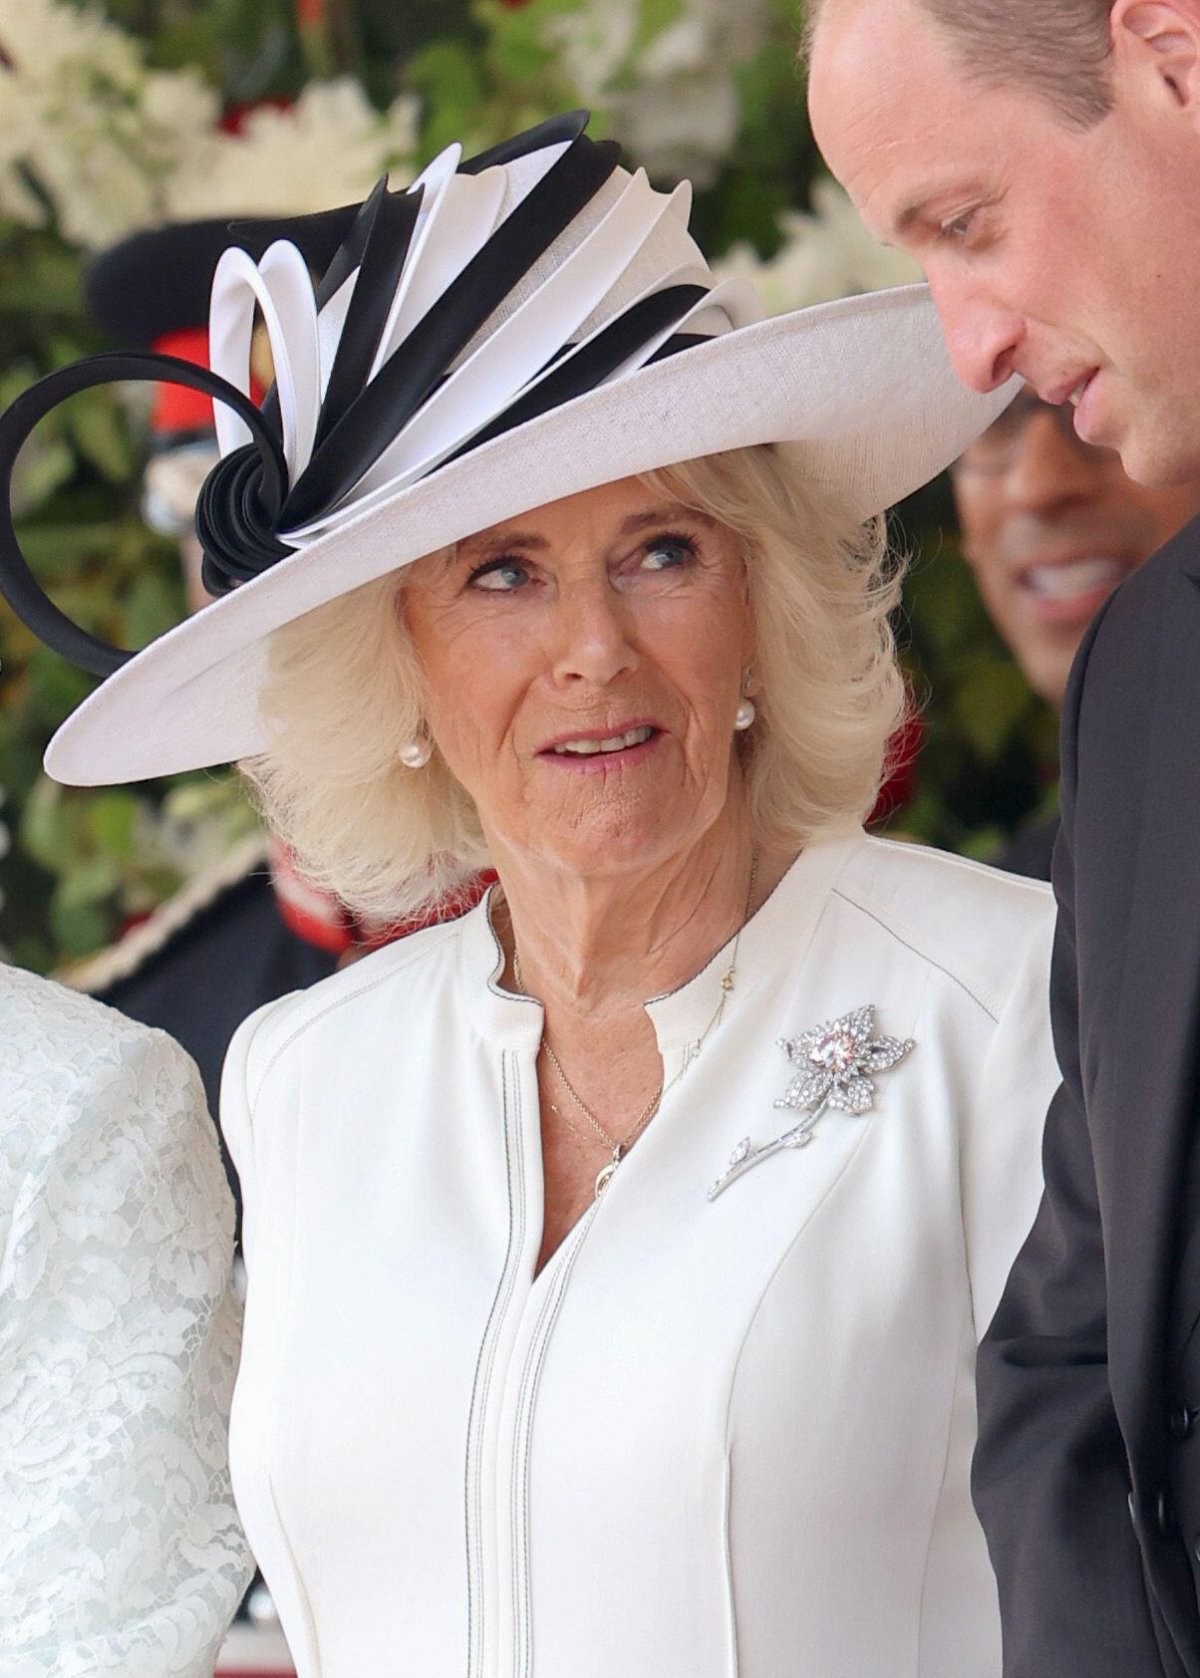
(416, 753)
(744, 715)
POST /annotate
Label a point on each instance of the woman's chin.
(617, 850)
(619, 840)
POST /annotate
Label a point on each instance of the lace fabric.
(120, 1550)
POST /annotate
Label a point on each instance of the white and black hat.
(510, 330)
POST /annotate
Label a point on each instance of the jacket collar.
(780, 930)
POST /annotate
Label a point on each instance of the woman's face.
(583, 664)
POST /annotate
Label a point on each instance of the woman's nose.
(592, 634)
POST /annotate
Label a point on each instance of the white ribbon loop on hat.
(281, 286)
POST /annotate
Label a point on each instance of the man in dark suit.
(1043, 162)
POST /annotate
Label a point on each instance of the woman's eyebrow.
(669, 512)
(500, 541)
(505, 541)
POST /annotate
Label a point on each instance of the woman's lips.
(601, 751)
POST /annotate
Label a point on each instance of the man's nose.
(982, 336)
(592, 633)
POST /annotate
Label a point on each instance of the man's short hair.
(1060, 50)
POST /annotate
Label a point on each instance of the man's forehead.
(850, 33)
(892, 112)
(856, 73)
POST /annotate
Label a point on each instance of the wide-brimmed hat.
(510, 330)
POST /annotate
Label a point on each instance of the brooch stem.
(798, 1137)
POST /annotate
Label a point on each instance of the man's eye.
(668, 553)
(958, 227)
(499, 576)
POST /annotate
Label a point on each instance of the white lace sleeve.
(120, 1550)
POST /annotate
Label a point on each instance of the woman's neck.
(599, 945)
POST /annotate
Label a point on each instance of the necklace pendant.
(606, 1174)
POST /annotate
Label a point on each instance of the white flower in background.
(20, 119)
(826, 253)
(44, 38)
(330, 147)
(672, 100)
(594, 43)
(112, 146)
(84, 120)
(684, 132)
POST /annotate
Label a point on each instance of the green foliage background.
(80, 863)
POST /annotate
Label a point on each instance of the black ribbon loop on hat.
(554, 131)
(235, 522)
(383, 232)
(17, 583)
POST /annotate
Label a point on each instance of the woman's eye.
(667, 553)
(499, 576)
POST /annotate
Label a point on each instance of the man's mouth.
(1071, 392)
(1075, 579)
(1075, 397)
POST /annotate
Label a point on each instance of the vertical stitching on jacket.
(518, 1509)
(484, 1366)
(310, 1624)
(733, 1629)
(530, 1378)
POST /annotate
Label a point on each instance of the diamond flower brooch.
(833, 1065)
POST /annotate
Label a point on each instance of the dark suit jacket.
(1087, 1474)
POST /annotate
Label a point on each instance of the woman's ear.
(1156, 51)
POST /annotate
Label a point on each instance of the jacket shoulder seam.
(919, 947)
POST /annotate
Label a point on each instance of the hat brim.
(861, 389)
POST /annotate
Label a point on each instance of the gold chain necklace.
(617, 1148)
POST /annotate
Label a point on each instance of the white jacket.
(711, 1438)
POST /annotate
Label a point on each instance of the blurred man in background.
(1050, 526)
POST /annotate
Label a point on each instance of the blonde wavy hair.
(343, 694)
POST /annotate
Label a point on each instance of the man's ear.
(1156, 43)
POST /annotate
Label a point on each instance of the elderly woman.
(617, 1253)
